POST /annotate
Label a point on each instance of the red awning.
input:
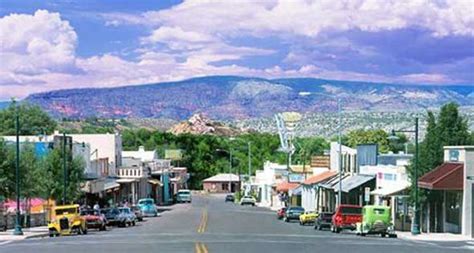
(320, 177)
(447, 176)
(285, 186)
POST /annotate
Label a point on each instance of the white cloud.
(39, 43)
(310, 18)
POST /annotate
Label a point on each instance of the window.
(453, 207)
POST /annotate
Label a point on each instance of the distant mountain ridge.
(234, 98)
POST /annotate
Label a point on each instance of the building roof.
(285, 186)
(353, 182)
(391, 191)
(141, 153)
(223, 177)
(447, 176)
(320, 177)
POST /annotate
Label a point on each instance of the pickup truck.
(346, 217)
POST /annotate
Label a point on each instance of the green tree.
(33, 120)
(53, 166)
(7, 165)
(448, 129)
(377, 136)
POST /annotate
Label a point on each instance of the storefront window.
(453, 207)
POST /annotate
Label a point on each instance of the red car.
(94, 219)
(281, 213)
(346, 217)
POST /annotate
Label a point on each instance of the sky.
(49, 45)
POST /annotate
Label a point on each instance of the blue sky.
(47, 45)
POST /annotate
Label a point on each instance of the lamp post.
(415, 226)
(18, 230)
(339, 139)
(65, 169)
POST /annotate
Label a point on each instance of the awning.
(320, 177)
(155, 181)
(390, 191)
(297, 190)
(447, 176)
(353, 182)
(329, 184)
(285, 186)
(126, 180)
(110, 184)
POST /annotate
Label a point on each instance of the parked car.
(346, 217)
(138, 212)
(308, 217)
(113, 216)
(293, 213)
(281, 213)
(94, 219)
(130, 218)
(229, 198)
(323, 221)
(66, 220)
(183, 196)
(148, 207)
(248, 200)
(376, 220)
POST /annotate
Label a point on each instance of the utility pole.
(65, 169)
(415, 224)
(17, 230)
(339, 139)
(230, 170)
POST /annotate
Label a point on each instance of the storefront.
(451, 186)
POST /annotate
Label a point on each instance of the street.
(211, 225)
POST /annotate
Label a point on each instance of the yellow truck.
(66, 220)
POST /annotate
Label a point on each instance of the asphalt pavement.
(211, 225)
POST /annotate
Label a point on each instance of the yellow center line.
(203, 223)
(204, 248)
(197, 247)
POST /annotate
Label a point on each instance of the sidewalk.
(27, 233)
(434, 237)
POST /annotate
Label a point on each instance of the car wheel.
(338, 230)
(301, 223)
(287, 220)
(333, 229)
(382, 234)
(133, 223)
(84, 231)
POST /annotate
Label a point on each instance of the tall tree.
(377, 136)
(33, 120)
(449, 128)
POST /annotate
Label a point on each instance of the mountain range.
(236, 98)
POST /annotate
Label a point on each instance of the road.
(210, 225)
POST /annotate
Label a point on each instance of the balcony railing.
(132, 172)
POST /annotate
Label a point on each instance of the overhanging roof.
(285, 186)
(447, 176)
(353, 182)
(320, 177)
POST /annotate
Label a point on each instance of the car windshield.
(66, 211)
(184, 193)
(125, 210)
(146, 202)
(351, 210)
(297, 209)
(114, 211)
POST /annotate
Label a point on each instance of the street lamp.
(415, 227)
(17, 230)
(339, 138)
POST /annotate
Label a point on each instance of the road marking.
(203, 222)
(5, 242)
(200, 247)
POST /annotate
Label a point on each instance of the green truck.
(376, 220)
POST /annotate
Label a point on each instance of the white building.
(349, 156)
(271, 175)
